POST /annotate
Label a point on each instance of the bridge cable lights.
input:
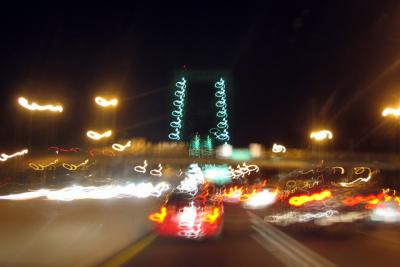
(178, 112)
(221, 131)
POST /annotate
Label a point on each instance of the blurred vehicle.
(185, 216)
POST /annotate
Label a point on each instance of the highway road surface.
(249, 241)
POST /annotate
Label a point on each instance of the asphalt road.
(248, 241)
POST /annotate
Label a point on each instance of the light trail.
(141, 190)
(303, 199)
(97, 136)
(63, 149)
(74, 167)
(194, 178)
(101, 101)
(321, 135)
(242, 171)
(276, 148)
(119, 147)
(291, 217)
(358, 170)
(42, 167)
(261, 199)
(5, 157)
(36, 107)
(391, 112)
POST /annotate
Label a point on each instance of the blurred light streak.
(276, 148)
(261, 199)
(321, 135)
(5, 157)
(242, 171)
(358, 170)
(358, 199)
(119, 147)
(97, 136)
(41, 167)
(74, 167)
(34, 106)
(62, 149)
(221, 131)
(303, 199)
(218, 174)
(157, 172)
(141, 190)
(291, 217)
(224, 151)
(178, 113)
(347, 217)
(391, 112)
(158, 217)
(256, 150)
(341, 169)
(106, 103)
(388, 213)
(141, 169)
(189, 225)
(232, 194)
(194, 178)
(212, 217)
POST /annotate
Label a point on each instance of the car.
(192, 217)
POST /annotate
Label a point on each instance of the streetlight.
(321, 135)
(97, 136)
(276, 148)
(101, 101)
(36, 107)
(391, 112)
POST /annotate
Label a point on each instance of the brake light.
(158, 217)
(212, 217)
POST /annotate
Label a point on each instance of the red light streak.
(63, 149)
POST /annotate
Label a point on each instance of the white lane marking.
(293, 253)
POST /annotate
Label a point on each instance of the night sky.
(295, 66)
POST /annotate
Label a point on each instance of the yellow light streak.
(101, 101)
(120, 147)
(74, 167)
(5, 157)
(321, 135)
(34, 106)
(41, 167)
(97, 136)
(391, 112)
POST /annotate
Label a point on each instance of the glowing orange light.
(371, 200)
(321, 135)
(101, 101)
(212, 217)
(245, 197)
(391, 111)
(34, 106)
(97, 136)
(303, 199)
(158, 217)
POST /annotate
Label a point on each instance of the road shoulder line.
(130, 252)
